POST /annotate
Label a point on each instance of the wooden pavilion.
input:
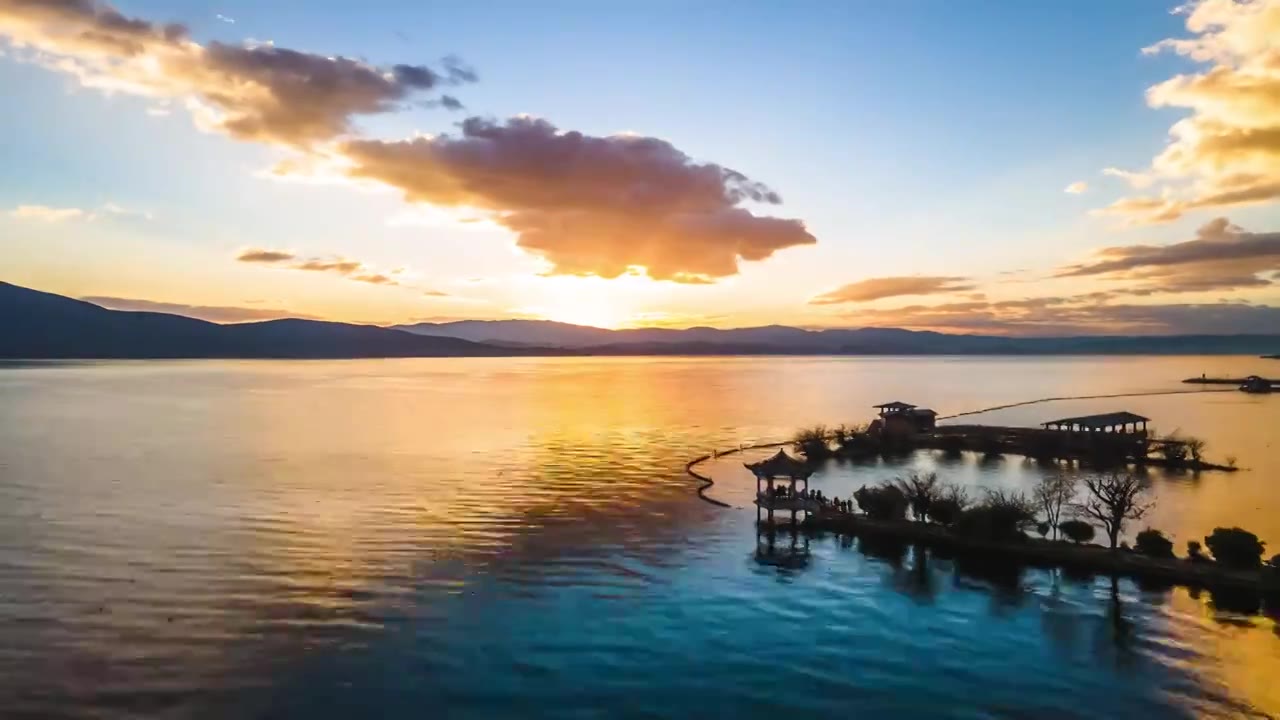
(769, 497)
(911, 417)
(1125, 423)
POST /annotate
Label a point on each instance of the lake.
(487, 538)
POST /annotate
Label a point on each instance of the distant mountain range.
(36, 325)
(784, 340)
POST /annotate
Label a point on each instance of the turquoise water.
(516, 538)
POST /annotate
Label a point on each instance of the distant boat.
(1255, 384)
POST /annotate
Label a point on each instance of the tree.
(814, 442)
(1053, 493)
(1235, 548)
(1153, 543)
(1113, 500)
(921, 491)
(1077, 531)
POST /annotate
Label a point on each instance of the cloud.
(1136, 180)
(251, 92)
(212, 313)
(264, 256)
(1226, 152)
(44, 213)
(1092, 313)
(347, 268)
(225, 19)
(887, 287)
(588, 205)
(435, 293)
(1221, 257)
(1076, 188)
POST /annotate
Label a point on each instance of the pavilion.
(1126, 423)
(782, 466)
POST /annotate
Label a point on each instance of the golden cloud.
(589, 205)
(1092, 313)
(1221, 257)
(252, 92)
(887, 287)
(347, 268)
(1227, 151)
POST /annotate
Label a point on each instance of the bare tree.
(1113, 500)
(921, 491)
(1053, 493)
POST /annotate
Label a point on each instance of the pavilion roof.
(895, 405)
(1104, 420)
(780, 465)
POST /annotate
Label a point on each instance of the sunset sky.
(1014, 167)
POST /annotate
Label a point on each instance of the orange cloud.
(589, 205)
(1221, 257)
(887, 287)
(1227, 151)
(252, 92)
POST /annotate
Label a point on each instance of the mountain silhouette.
(37, 325)
(785, 340)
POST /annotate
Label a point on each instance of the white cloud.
(225, 19)
(44, 213)
(1076, 188)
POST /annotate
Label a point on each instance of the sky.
(1010, 168)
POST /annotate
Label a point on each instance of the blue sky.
(912, 140)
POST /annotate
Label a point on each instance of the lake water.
(470, 538)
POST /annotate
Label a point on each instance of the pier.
(1252, 383)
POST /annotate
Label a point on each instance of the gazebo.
(782, 466)
(1126, 423)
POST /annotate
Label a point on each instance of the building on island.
(904, 418)
(1256, 384)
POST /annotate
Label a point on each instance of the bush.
(921, 490)
(1194, 552)
(1153, 543)
(1275, 562)
(946, 509)
(1235, 548)
(1001, 516)
(885, 502)
(1077, 531)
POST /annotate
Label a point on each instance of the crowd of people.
(835, 504)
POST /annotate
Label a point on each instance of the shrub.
(1275, 562)
(920, 490)
(1235, 548)
(1000, 516)
(1153, 543)
(1194, 552)
(1077, 531)
(1042, 527)
(1174, 449)
(884, 502)
(952, 501)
